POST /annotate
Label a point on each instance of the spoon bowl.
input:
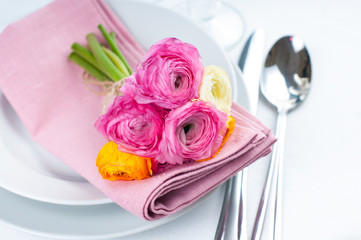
(287, 73)
(286, 83)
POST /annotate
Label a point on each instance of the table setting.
(261, 178)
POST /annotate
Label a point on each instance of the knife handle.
(224, 212)
(232, 221)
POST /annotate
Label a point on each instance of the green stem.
(112, 34)
(116, 60)
(112, 44)
(86, 54)
(110, 69)
(95, 72)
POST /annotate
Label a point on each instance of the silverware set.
(285, 84)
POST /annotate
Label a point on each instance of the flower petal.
(136, 128)
(193, 131)
(230, 127)
(216, 88)
(116, 165)
(169, 75)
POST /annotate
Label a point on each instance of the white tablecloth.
(322, 179)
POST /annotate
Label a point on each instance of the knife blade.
(232, 222)
(251, 63)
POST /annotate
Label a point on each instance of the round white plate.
(30, 171)
(59, 221)
(96, 221)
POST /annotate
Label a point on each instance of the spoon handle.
(274, 165)
(282, 117)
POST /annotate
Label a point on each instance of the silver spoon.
(286, 83)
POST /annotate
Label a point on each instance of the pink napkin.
(46, 91)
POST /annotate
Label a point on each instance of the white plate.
(30, 171)
(96, 221)
(76, 222)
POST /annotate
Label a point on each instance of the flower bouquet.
(163, 118)
(170, 110)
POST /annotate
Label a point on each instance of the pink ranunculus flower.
(169, 75)
(136, 128)
(193, 131)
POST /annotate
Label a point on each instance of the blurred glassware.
(219, 18)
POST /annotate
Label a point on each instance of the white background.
(322, 194)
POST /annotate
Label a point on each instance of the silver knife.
(251, 63)
(232, 221)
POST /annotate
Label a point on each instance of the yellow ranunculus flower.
(116, 165)
(216, 88)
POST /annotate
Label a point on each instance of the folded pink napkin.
(47, 93)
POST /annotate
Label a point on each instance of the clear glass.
(219, 18)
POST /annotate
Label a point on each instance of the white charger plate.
(30, 171)
(95, 221)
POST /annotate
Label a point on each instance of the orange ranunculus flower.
(116, 165)
(230, 127)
